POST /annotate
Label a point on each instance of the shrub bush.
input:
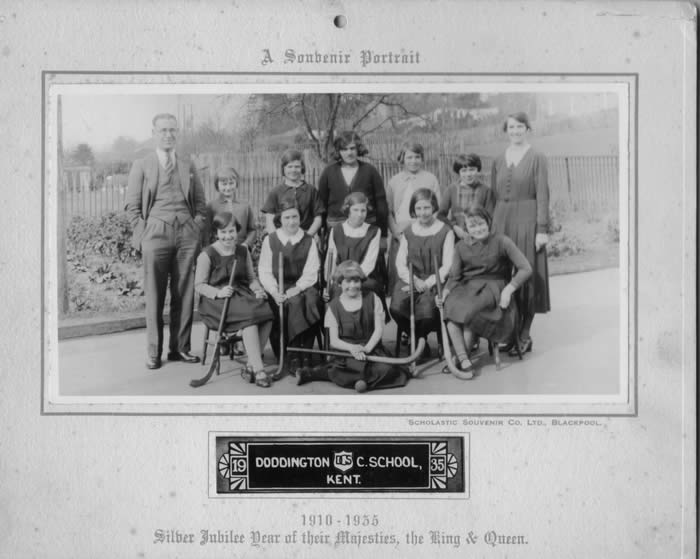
(558, 212)
(108, 235)
(613, 229)
(563, 244)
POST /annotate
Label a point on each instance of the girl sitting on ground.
(355, 321)
(248, 311)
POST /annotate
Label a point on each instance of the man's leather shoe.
(153, 363)
(182, 356)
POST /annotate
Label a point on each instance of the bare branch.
(369, 111)
(332, 119)
(308, 126)
(379, 125)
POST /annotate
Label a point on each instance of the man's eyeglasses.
(166, 131)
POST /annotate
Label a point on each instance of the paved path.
(576, 351)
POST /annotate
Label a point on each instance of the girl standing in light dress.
(398, 193)
(519, 181)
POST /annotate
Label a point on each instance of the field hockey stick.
(463, 375)
(372, 358)
(280, 287)
(215, 360)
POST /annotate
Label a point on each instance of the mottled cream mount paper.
(137, 486)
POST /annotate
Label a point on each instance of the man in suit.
(166, 207)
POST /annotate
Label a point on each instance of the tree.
(321, 115)
(83, 155)
(124, 148)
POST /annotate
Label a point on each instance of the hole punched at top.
(340, 21)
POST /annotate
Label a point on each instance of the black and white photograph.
(326, 279)
(468, 239)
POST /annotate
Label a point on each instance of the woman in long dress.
(519, 181)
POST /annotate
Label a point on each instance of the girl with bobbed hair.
(226, 183)
(423, 241)
(520, 183)
(294, 187)
(349, 174)
(399, 191)
(468, 190)
(300, 295)
(359, 241)
(480, 286)
(355, 321)
(343, 140)
(248, 310)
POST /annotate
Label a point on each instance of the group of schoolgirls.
(476, 271)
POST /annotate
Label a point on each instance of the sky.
(98, 120)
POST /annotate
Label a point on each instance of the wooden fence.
(581, 183)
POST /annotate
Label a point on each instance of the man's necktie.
(169, 165)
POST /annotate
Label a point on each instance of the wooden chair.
(231, 338)
(510, 317)
(407, 331)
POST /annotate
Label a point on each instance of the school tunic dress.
(480, 270)
(303, 311)
(306, 197)
(422, 251)
(348, 247)
(244, 309)
(357, 327)
(522, 211)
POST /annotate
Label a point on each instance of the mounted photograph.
(226, 244)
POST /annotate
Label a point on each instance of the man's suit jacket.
(141, 193)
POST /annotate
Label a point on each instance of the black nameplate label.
(338, 464)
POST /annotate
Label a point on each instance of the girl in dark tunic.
(480, 284)
(300, 295)
(355, 320)
(356, 240)
(248, 310)
(349, 174)
(421, 242)
(519, 180)
(294, 187)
